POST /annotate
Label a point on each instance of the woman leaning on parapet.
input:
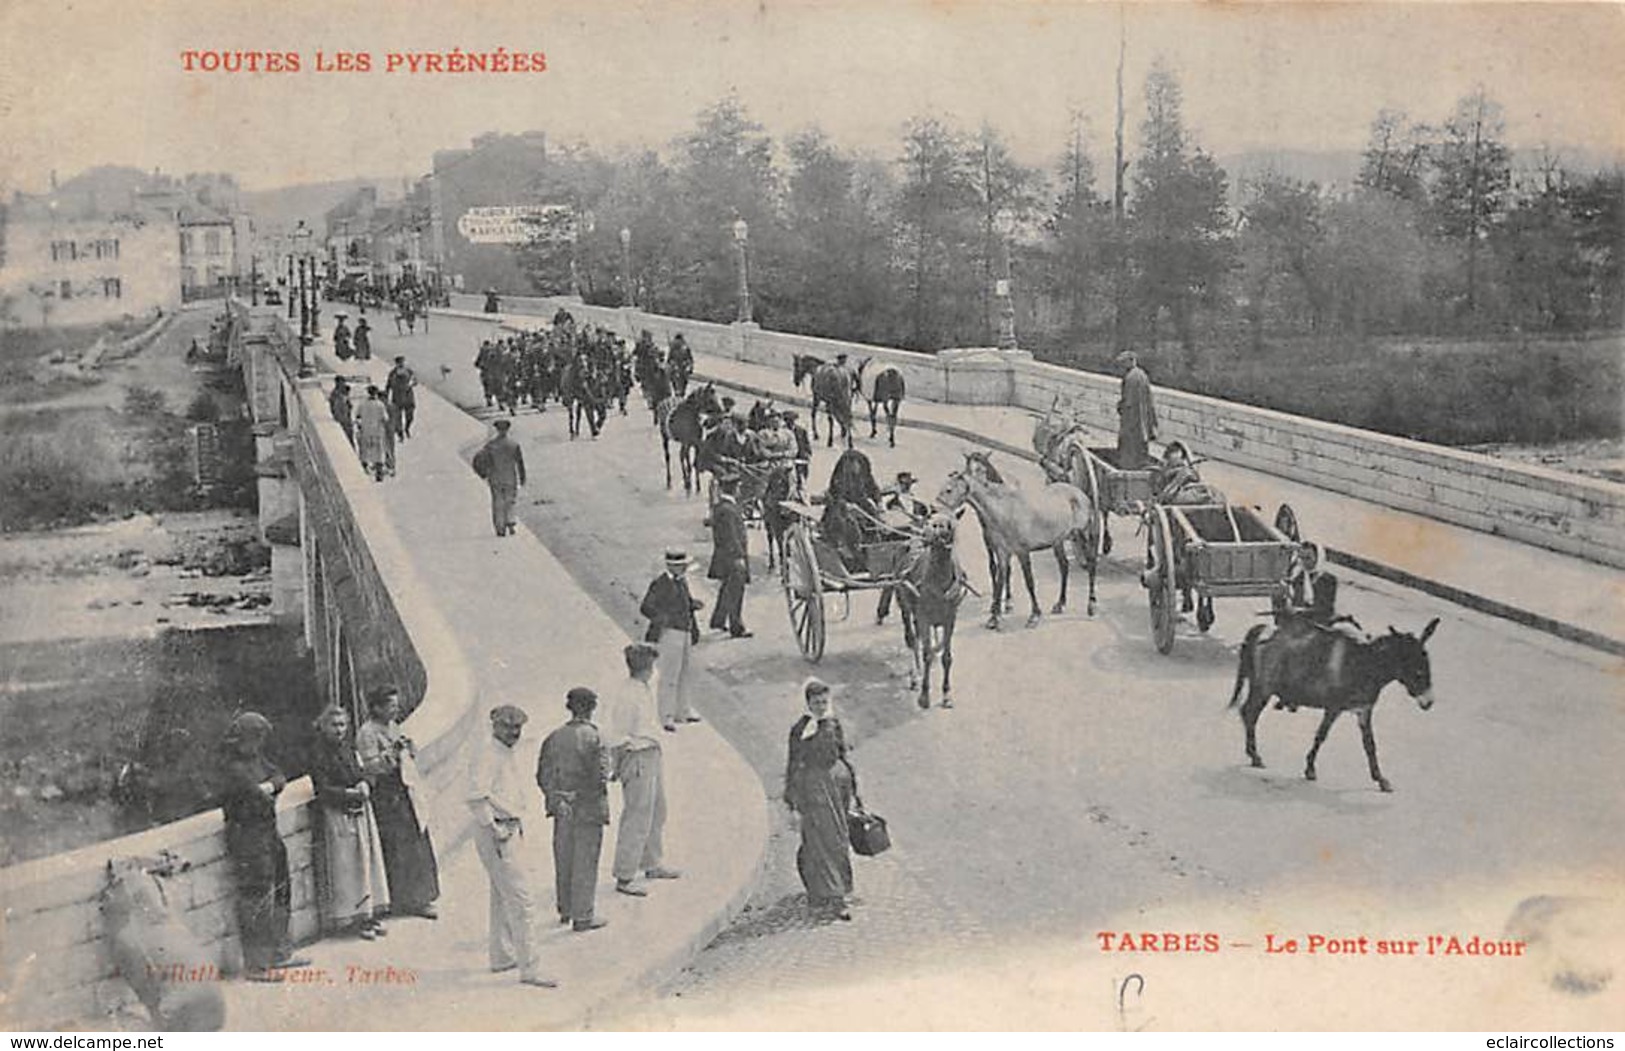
(354, 888)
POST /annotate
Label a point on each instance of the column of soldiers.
(535, 367)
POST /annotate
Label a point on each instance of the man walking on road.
(403, 399)
(730, 562)
(572, 774)
(501, 462)
(1136, 416)
(672, 626)
(500, 801)
(631, 734)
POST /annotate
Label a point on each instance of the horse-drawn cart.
(1114, 490)
(813, 568)
(1216, 550)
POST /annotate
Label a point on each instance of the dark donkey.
(1312, 667)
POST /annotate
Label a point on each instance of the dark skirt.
(823, 798)
(414, 877)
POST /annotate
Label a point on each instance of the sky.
(87, 82)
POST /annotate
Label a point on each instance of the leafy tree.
(1472, 174)
(1280, 237)
(1395, 158)
(1374, 260)
(724, 172)
(938, 211)
(834, 277)
(1181, 225)
(1007, 195)
(1081, 234)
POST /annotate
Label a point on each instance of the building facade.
(482, 203)
(62, 269)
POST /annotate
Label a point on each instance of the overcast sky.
(100, 81)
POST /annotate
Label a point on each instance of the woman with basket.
(821, 790)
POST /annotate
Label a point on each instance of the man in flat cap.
(1136, 415)
(501, 462)
(498, 796)
(572, 772)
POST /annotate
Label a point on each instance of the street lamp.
(741, 234)
(1003, 291)
(626, 266)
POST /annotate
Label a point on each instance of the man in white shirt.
(632, 732)
(500, 799)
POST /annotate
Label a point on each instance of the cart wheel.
(1204, 612)
(1085, 478)
(1161, 582)
(1286, 522)
(804, 593)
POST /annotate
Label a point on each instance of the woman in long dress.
(388, 758)
(354, 887)
(373, 440)
(818, 788)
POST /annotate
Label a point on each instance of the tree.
(1473, 171)
(1374, 260)
(1180, 220)
(1395, 158)
(937, 217)
(724, 172)
(1007, 196)
(1280, 234)
(1080, 231)
(834, 275)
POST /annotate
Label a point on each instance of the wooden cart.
(812, 569)
(1217, 551)
(1114, 490)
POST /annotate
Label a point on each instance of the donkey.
(1313, 667)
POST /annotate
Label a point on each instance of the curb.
(1470, 600)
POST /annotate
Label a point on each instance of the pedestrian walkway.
(528, 633)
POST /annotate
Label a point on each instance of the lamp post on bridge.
(626, 267)
(741, 240)
(1003, 290)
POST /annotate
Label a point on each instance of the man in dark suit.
(572, 774)
(729, 562)
(803, 444)
(670, 609)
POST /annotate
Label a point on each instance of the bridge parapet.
(367, 619)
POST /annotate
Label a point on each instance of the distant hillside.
(286, 205)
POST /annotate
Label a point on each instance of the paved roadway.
(1084, 783)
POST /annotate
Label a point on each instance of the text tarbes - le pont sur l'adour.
(499, 60)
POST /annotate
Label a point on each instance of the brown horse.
(1313, 667)
(882, 387)
(833, 386)
(1016, 523)
(683, 424)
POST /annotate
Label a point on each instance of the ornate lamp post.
(290, 288)
(741, 236)
(626, 266)
(1002, 290)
